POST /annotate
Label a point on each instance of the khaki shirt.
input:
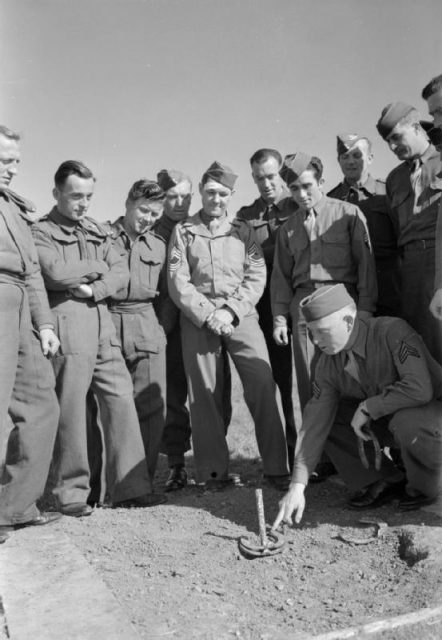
(207, 271)
(412, 226)
(340, 252)
(18, 255)
(396, 372)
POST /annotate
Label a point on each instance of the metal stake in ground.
(271, 541)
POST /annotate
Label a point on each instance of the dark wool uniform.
(207, 272)
(415, 216)
(176, 434)
(266, 219)
(402, 388)
(371, 198)
(142, 338)
(336, 249)
(27, 395)
(73, 253)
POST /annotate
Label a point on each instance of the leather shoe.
(376, 494)
(76, 509)
(177, 478)
(409, 503)
(45, 517)
(280, 483)
(147, 500)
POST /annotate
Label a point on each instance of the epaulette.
(22, 203)
(91, 225)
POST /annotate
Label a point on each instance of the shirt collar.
(368, 186)
(358, 339)
(119, 230)
(64, 223)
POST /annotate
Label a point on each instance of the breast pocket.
(150, 271)
(335, 248)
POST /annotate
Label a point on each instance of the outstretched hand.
(293, 501)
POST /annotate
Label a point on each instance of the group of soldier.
(117, 338)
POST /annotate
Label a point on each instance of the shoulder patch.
(175, 258)
(255, 255)
(406, 350)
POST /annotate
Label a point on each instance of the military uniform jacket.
(163, 228)
(371, 198)
(18, 255)
(79, 252)
(340, 252)
(266, 220)
(146, 260)
(415, 226)
(208, 271)
(168, 312)
(396, 372)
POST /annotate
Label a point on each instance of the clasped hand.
(220, 322)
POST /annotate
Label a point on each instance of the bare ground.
(177, 570)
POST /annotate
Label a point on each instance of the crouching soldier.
(395, 392)
(216, 276)
(81, 270)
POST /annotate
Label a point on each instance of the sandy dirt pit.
(177, 571)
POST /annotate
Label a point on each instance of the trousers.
(204, 364)
(27, 398)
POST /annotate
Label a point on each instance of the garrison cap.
(293, 165)
(169, 178)
(390, 116)
(346, 141)
(221, 173)
(324, 301)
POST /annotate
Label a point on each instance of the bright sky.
(134, 86)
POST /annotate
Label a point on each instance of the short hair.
(262, 155)
(9, 133)
(432, 87)
(72, 168)
(145, 188)
(316, 166)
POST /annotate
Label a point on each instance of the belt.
(419, 245)
(129, 307)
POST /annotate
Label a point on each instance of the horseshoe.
(272, 542)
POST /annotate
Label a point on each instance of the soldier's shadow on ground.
(325, 502)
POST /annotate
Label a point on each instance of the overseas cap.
(169, 178)
(324, 301)
(221, 173)
(390, 116)
(346, 141)
(293, 165)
